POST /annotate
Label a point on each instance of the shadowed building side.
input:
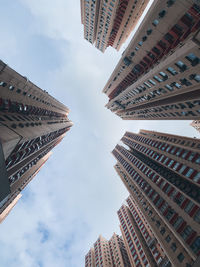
(162, 174)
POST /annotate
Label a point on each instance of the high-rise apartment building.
(196, 125)
(158, 75)
(108, 253)
(32, 123)
(140, 242)
(162, 174)
(110, 22)
(118, 251)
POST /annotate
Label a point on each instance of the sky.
(77, 193)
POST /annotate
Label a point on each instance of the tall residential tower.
(158, 76)
(110, 22)
(108, 253)
(162, 174)
(140, 242)
(32, 123)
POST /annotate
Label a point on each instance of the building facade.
(32, 123)
(196, 125)
(108, 253)
(158, 75)
(90, 259)
(109, 23)
(140, 242)
(162, 174)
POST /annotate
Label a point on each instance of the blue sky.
(75, 196)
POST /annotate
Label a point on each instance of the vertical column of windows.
(148, 238)
(163, 208)
(130, 237)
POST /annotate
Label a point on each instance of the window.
(144, 38)
(180, 257)
(196, 245)
(176, 166)
(169, 87)
(189, 172)
(162, 13)
(172, 71)
(192, 155)
(189, 206)
(182, 169)
(197, 216)
(127, 61)
(162, 231)
(155, 22)
(178, 222)
(151, 55)
(177, 85)
(193, 59)
(197, 177)
(187, 231)
(164, 75)
(197, 78)
(198, 159)
(170, 163)
(156, 50)
(185, 82)
(149, 31)
(11, 88)
(173, 246)
(168, 239)
(152, 82)
(3, 84)
(148, 85)
(181, 66)
(168, 37)
(169, 214)
(188, 19)
(157, 78)
(177, 29)
(170, 3)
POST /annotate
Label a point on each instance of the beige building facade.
(109, 23)
(162, 174)
(139, 238)
(158, 74)
(106, 253)
(32, 123)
